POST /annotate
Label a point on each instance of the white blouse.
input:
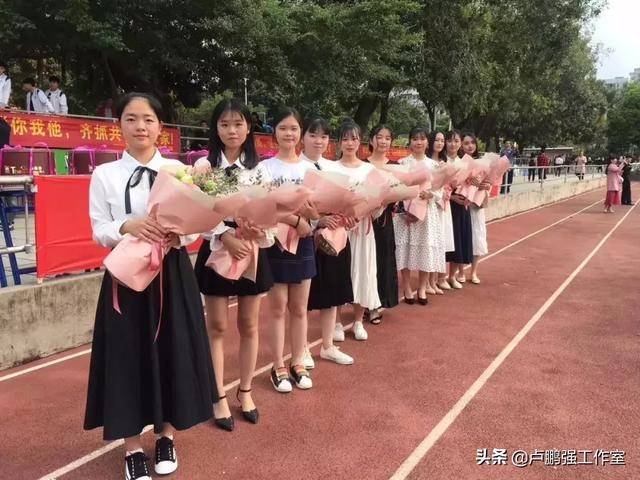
(275, 169)
(107, 196)
(246, 177)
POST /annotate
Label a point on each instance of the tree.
(624, 122)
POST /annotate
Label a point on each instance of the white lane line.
(116, 443)
(44, 365)
(57, 360)
(97, 453)
(513, 244)
(509, 217)
(423, 448)
(486, 257)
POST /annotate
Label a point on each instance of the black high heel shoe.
(225, 423)
(251, 416)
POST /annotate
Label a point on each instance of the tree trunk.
(112, 82)
(366, 107)
(384, 108)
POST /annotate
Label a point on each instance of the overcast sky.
(618, 30)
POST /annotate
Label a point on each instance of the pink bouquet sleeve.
(413, 175)
(329, 190)
(228, 267)
(134, 262)
(332, 241)
(180, 208)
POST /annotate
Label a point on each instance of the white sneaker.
(301, 378)
(166, 457)
(280, 380)
(455, 283)
(307, 360)
(359, 331)
(338, 333)
(333, 354)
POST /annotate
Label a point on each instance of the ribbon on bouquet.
(156, 260)
(229, 267)
(288, 238)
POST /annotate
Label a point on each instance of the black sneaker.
(166, 459)
(135, 467)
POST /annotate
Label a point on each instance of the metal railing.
(521, 175)
(12, 189)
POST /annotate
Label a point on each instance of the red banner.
(64, 242)
(60, 131)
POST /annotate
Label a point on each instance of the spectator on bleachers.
(56, 96)
(37, 101)
(5, 86)
(105, 109)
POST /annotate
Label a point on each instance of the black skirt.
(462, 235)
(288, 268)
(134, 381)
(331, 287)
(386, 258)
(213, 284)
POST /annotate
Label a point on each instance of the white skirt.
(479, 229)
(447, 228)
(420, 245)
(364, 269)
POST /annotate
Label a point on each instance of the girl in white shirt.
(292, 274)
(420, 243)
(331, 288)
(362, 241)
(136, 379)
(478, 220)
(231, 147)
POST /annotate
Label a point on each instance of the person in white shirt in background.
(558, 162)
(37, 101)
(5, 86)
(56, 96)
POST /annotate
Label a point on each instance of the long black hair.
(449, 136)
(475, 142)
(125, 100)
(348, 127)
(216, 146)
(376, 130)
(442, 155)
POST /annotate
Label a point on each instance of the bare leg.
(328, 322)
(248, 308)
(278, 296)
(132, 444)
(298, 299)
(406, 283)
(217, 317)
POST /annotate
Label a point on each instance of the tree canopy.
(503, 68)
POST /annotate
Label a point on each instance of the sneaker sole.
(301, 387)
(167, 471)
(339, 362)
(276, 388)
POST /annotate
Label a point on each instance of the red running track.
(570, 383)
